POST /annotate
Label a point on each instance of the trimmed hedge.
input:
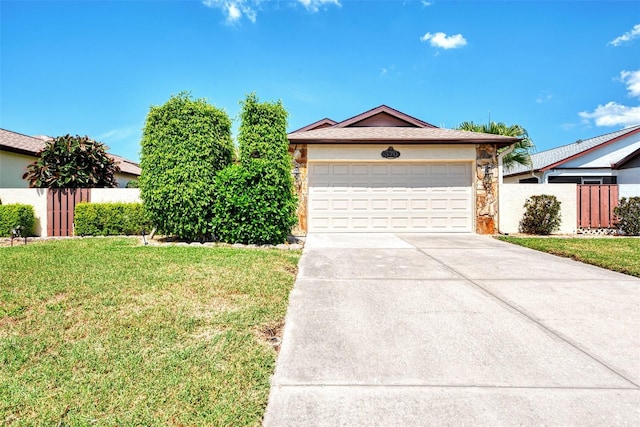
(110, 219)
(17, 214)
(253, 204)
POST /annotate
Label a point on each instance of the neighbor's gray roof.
(31, 145)
(545, 158)
(407, 135)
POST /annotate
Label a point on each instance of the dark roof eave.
(18, 150)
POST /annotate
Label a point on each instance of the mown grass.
(617, 254)
(102, 331)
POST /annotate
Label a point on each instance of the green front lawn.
(102, 331)
(617, 254)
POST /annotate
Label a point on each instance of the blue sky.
(565, 70)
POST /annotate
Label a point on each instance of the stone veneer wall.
(301, 185)
(486, 189)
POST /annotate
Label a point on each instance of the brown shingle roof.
(30, 146)
(405, 135)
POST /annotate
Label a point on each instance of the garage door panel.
(382, 197)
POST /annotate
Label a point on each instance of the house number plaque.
(390, 153)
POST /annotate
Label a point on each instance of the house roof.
(401, 119)
(385, 124)
(326, 122)
(555, 157)
(405, 135)
(634, 155)
(31, 145)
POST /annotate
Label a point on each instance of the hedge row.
(14, 215)
(110, 219)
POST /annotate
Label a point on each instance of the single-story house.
(17, 151)
(384, 170)
(613, 158)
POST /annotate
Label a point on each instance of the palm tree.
(521, 153)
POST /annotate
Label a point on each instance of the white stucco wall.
(114, 195)
(371, 152)
(12, 167)
(629, 190)
(36, 197)
(513, 196)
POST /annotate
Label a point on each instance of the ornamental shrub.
(72, 162)
(628, 216)
(542, 215)
(14, 215)
(184, 143)
(263, 132)
(253, 204)
(132, 184)
(110, 219)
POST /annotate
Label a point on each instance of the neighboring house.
(384, 170)
(17, 151)
(613, 158)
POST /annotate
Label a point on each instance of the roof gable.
(628, 159)
(383, 116)
(555, 157)
(320, 124)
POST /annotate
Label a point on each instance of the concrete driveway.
(424, 329)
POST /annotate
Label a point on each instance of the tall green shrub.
(628, 216)
(263, 132)
(542, 215)
(185, 142)
(255, 201)
(110, 219)
(14, 215)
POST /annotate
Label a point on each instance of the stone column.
(486, 188)
(301, 184)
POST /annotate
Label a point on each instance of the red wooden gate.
(61, 203)
(595, 205)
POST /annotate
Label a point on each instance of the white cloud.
(545, 96)
(315, 5)
(426, 3)
(628, 36)
(235, 10)
(444, 41)
(613, 113)
(632, 80)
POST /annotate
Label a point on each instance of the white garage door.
(412, 197)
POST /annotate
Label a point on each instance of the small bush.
(253, 204)
(628, 213)
(110, 219)
(132, 184)
(14, 215)
(542, 215)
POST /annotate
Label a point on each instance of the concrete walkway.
(418, 329)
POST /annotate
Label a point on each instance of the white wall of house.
(605, 156)
(36, 197)
(512, 198)
(629, 190)
(12, 167)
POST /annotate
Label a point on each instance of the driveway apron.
(454, 329)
